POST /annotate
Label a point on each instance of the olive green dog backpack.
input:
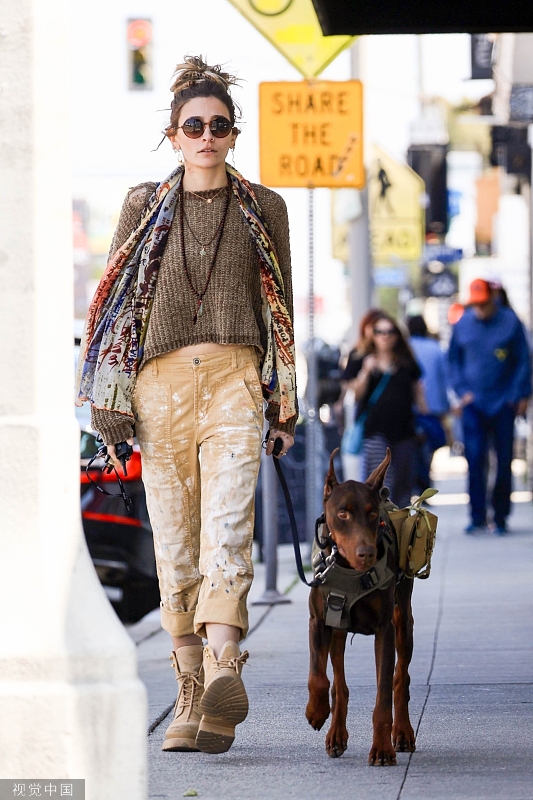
(416, 531)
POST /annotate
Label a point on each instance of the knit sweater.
(232, 305)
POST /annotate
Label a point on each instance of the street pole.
(529, 449)
(360, 263)
(271, 595)
(312, 439)
(71, 702)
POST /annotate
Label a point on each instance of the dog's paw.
(403, 738)
(382, 755)
(317, 713)
(336, 741)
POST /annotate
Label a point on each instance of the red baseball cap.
(480, 292)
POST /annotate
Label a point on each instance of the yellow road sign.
(293, 28)
(395, 197)
(311, 134)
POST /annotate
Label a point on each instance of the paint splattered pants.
(199, 426)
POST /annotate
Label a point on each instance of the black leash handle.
(124, 452)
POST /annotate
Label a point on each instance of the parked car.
(120, 542)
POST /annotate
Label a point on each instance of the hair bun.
(194, 70)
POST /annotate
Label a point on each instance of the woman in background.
(363, 344)
(386, 382)
(345, 407)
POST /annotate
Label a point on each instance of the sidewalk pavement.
(471, 686)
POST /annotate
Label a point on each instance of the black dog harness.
(342, 587)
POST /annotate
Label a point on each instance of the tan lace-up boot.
(181, 733)
(224, 703)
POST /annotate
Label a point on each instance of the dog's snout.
(366, 553)
(365, 556)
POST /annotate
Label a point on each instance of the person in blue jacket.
(490, 372)
(430, 432)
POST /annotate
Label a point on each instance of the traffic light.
(139, 39)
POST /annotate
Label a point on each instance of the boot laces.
(236, 663)
(190, 684)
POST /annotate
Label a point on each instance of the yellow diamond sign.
(293, 28)
(396, 208)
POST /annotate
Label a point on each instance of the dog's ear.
(331, 478)
(376, 478)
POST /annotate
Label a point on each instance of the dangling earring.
(179, 155)
(233, 157)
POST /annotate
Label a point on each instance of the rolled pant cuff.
(177, 623)
(225, 613)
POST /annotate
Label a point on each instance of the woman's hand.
(112, 453)
(370, 363)
(360, 382)
(287, 439)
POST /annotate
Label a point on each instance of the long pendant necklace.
(200, 295)
(203, 245)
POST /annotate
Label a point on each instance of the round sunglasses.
(385, 332)
(194, 127)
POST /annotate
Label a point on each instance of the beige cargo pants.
(199, 425)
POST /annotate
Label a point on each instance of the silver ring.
(271, 440)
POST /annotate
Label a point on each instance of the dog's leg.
(317, 710)
(337, 738)
(403, 736)
(382, 752)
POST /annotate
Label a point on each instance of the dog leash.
(292, 520)
(294, 529)
(327, 562)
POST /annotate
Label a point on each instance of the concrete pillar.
(71, 703)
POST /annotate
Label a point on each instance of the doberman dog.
(352, 515)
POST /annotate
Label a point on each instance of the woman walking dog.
(190, 327)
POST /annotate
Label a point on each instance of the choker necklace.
(203, 245)
(200, 295)
(208, 200)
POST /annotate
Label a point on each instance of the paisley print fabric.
(117, 321)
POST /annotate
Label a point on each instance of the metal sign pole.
(271, 595)
(529, 446)
(311, 439)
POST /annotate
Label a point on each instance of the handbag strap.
(378, 391)
(374, 397)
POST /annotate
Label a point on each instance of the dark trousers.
(479, 430)
(401, 473)
(424, 457)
